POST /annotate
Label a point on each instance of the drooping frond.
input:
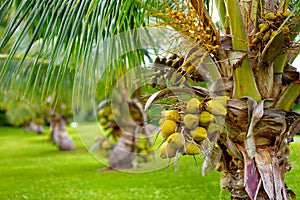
(28, 83)
(68, 31)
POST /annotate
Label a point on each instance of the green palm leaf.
(69, 30)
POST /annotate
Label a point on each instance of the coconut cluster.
(107, 121)
(165, 71)
(144, 151)
(184, 130)
(195, 26)
(105, 146)
(269, 26)
(173, 71)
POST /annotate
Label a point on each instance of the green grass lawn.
(33, 168)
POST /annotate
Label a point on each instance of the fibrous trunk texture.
(260, 135)
(35, 127)
(59, 134)
(123, 153)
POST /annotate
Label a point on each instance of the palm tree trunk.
(256, 178)
(35, 127)
(261, 175)
(123, 154)
(59, 134)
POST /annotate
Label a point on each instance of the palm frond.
(69, 30)
(26, 86)
(288, 97)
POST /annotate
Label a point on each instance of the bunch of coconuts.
(107, 121)
(165, 72)
(105, 146)
(269, 26)
(144, 151)
(184, 131)
(173, 71)
(105, 115)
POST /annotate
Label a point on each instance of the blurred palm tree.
(252, 47)
(22, 85)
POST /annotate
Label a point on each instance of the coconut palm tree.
(251, 47)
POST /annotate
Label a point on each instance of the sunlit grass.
(32, 168)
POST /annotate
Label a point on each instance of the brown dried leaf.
(269, 103)
(262, 141)
(235, 57)
(271, 124)
(293, 122)
(219, 88)
(226, 42)
(265, 79)
(264, 165)
(289, 77)
(252, 178)
(270, 172)
(233, 149)
(255, 112)
(237, 113)
(204, 64)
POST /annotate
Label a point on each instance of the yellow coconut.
(286, 13)
(214, 127)
(264, 27)
(140, 145)
(143, 152)
(148, 158)
(175, 140)
(102, 120)
(199, 134)
(222, 98)
(106, 144)
(285, 30)
(216, 107)
(162, 121)
(205, 118)
(166, 151)
(100, 112)
(110, 117)
(168, 127)
(193, 106)
(191, 121)
(192, 149)
(266, 37)
(171, 114)
(270, 16)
